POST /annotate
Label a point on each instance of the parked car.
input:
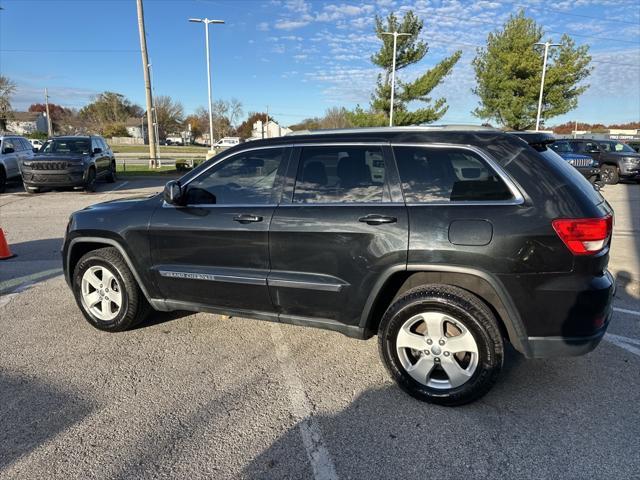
(227, 142)
(175, 140)
(14, 150)
(635, 144)
(77, 161)
(36, 144)
(616, 159)
(586, 165)
(467, 239)
(547, 143)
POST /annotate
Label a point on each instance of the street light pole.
(206, 23)
(544, 72)
(393, 69)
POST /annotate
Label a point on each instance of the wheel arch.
(80, 246)
(482, 284)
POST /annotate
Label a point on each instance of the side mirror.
(172, 192)
(97, 150)
(8, 150)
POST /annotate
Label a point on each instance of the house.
(268, 129)
(135, 127)
(24, 123)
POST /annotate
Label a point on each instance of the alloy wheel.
(101, 293)
(437, 350)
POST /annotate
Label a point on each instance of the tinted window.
(561, 147)
(340, 174)
(616, 147)
(9, 143)
(246, 179)
(437, 174)
(102, 144)
(584, 147)
(67, 145)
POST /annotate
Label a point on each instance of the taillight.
(584, 236)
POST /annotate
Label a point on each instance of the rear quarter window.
(447, 175)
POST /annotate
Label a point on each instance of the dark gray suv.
(77, 161)
(445, 242)
(617, 160)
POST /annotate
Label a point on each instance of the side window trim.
(517, 197)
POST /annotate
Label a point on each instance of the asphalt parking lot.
(204, 396)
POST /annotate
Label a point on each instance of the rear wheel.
(441, 344)
(610, 174)
(107, 293)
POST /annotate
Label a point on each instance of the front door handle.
(373, 219)
(246, 218)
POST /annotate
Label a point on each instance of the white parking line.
(321, 463)
(624, 310)
(627, 343)
(116, 187)
(15, 282)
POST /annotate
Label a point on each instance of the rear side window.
(447, 175)
(345, 174)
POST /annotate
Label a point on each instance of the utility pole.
(544, 72)
(575, 130)
(49, 124)
(147, 86)
(206, 23)
(393, 69)
(267, 121)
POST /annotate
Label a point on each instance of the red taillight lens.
(584, 236)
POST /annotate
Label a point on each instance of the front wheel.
(112, 176)
(441, 344)
(90, 184)
(610, 174)
(106, 291)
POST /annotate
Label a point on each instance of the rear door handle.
(245, 218)
(373, 219)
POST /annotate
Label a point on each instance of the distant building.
(135, 127)
(623, 135)
(268, 129)
(24, 123)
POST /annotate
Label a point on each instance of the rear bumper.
(54, 178)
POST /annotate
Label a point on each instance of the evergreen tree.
(509, 69)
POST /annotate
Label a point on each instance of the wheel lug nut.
(426, 352)
(437, 359)
(446, 354)
(441, 342)
(429, 341)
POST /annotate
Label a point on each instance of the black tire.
(90, 184)
(112, 175)
(134, 306)
(3, 180)
(470, 313)
(30, 190)
(610, 174)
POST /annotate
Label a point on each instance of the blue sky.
(296, 57)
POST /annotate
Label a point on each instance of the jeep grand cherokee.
(444, 242)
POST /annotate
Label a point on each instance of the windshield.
(616, 147)
(562, 147)
(67, 146)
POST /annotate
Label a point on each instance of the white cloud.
(263, 26)
(290, 24)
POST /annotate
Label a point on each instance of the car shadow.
(543, 419)
(33, 261)
(159, 318)
(33, 412)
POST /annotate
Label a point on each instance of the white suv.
(13, 151)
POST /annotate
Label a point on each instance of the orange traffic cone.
(4, 247)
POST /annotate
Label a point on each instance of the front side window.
(616, 147)
(561, 147)
(340, 174)
(244, 179)
(443, 175)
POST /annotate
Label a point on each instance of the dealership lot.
(203, 396)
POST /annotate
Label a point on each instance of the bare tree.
(7, 89)
(335, 117)
(170, 115)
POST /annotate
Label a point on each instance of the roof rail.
(416, 128)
